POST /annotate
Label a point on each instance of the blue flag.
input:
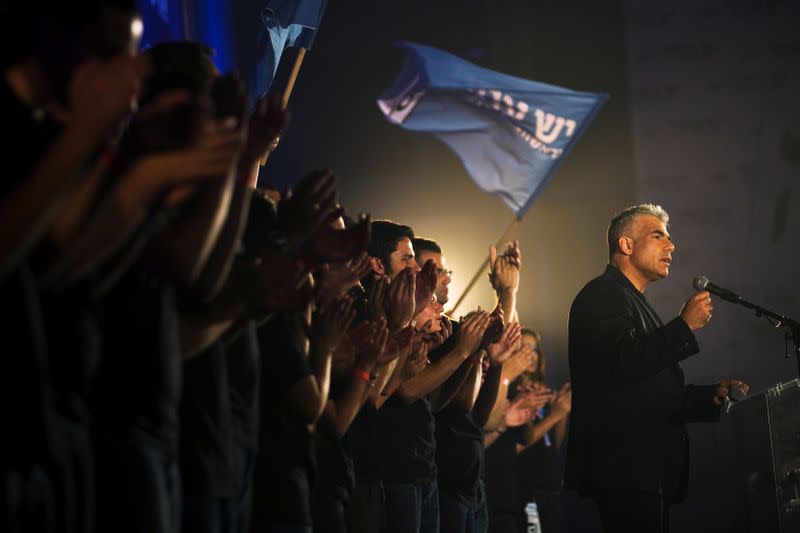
(286, 23)
(510, 133)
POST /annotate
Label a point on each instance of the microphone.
(701, 283)
(736, 393)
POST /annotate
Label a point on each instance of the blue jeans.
(138, 484)
(411, 508)
(460, 517)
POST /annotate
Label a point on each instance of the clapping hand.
(335, 279)
(372, 345)
(500, 351)
(504, 269)
(562, 401)
(495, 328)
(399, 299)
(332, 244)
(425, 285)
(471, 330)
(330, 323)
(518, 362)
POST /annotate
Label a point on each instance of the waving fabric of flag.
(286, 23)
(510, 133)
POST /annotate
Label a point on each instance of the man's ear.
(377, 266)
(625, 245)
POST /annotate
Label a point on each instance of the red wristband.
(361, 374)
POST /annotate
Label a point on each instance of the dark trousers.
(26, 501)
(364, 511)
(74, 477)
(633, 511)
(328, 504)
(138, 484)
(240, 508)
(458, 516)
(411, 507)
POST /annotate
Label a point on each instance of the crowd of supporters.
(186, 349)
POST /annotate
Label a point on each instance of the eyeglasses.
(444, 272)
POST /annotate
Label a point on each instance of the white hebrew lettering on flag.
(546, 131)
(398, 108)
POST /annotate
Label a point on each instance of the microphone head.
(736, 393)
(700, 283)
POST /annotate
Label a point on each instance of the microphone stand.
(781, 321)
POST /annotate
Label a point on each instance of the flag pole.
(504, 237)
(287, 92)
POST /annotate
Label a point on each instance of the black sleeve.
(604, 325)
(699, 404)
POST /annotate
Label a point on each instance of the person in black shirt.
(56, 60)
(136, 399)
(403, 431)
(539, 474)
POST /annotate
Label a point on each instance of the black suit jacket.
(630, 405)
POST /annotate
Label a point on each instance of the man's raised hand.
(697, 310)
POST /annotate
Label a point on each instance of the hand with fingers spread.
(536, 399)
(518, 412)
(331, 244)
(470, 331)
(330, 323)
(504, 269)
(425, 285)
(697, 310)
(399, 302)
(518, 362)
(500, 351)
(335, 279)
(308, 207)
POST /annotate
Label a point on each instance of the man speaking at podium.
(628, 446)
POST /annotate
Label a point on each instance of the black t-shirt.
(26, 394)
(538, 465)
(361, 445)
(139, 380)
(403, 440)
(334, 458)
(206, 428)
(404, 436)
(244, 361)
(501, 476)
(74, 339)
(285, 462)
(459, 453)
